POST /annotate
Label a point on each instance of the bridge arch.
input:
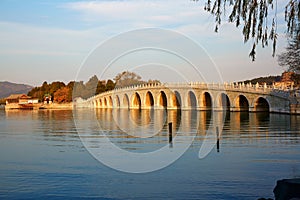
(241, 103)
(175, 101)
(105, 102)
(205, 101)
(191, 100)
(109, 102)
(223, 101)
(117, 101)
(149, 100)
(99, 103)
(162, 99)
(136, 101)
(125, 101)
(261, 104)
(248, 98)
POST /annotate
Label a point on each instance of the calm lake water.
(43, 157)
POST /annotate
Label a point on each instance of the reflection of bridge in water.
(191, 122)
(199, 96)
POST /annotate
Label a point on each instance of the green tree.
(37, 92)
(70, 85)
(253, 16)
(45, 87)
(100, 87)
(40, 92)
(110, 85)
(54, 86)
(78, 89)
(90, 87)
(2, 101)
(153, 81)
(127, 78)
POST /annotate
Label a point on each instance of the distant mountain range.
(8, 88)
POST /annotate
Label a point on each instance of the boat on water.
(28, 106)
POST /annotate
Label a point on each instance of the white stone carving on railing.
(284, 93)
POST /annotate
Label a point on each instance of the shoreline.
(39, 106)
(57, 106)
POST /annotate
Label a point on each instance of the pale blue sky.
(49, 40)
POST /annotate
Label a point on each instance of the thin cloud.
(158, 13)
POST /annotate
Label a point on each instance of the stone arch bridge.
(195, 95)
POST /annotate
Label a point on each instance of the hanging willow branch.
(292, 17)
(254, 18)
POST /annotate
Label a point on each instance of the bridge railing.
(258, 88)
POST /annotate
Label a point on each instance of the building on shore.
(286, 81)
(48, 99)
(20, 101)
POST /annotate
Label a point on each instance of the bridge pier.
(204, 108)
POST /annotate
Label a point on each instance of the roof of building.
(18, 96)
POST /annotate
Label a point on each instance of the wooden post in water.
(170, 132)
(218, 139)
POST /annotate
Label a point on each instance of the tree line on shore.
(64, 93)
(269, 80)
